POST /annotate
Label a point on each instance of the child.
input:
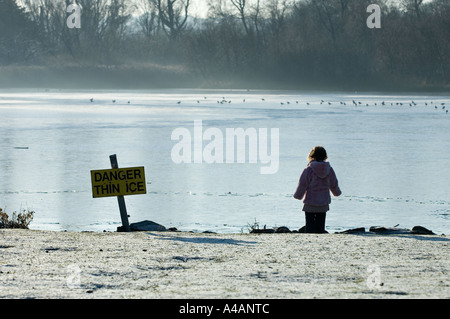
(315, 184)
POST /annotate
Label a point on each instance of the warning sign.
(118, 182)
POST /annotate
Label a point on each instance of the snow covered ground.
(45, 264)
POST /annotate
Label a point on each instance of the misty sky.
(199, 8)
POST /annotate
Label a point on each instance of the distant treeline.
(282, 44)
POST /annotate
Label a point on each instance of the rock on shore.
(416, 230)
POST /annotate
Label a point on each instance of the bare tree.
(277, 16)
(148, 20)
(173, 15)
(240, 5)
(413, 6)
(257, 17)
(104, 24)
(332, 15)
(49, 17)
(288, 41)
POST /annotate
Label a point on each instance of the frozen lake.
(391, 154)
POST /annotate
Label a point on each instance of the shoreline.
(153, 76)
(426, 91)
(147, 265)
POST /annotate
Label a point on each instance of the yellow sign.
(118, 182)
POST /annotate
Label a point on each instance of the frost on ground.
(44, 264)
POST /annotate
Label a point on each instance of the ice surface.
(392, 161)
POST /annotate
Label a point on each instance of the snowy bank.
(45, 264)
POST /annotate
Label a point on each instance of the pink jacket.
(316, 181)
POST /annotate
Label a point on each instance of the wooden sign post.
(119, 182)
(120, 198)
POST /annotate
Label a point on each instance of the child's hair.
(318, 153)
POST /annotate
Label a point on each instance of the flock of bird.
(353, 102)
(114, 101)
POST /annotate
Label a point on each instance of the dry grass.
(21, 220)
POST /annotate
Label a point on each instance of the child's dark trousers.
(315, 223)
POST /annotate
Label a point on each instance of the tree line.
(323, 44)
